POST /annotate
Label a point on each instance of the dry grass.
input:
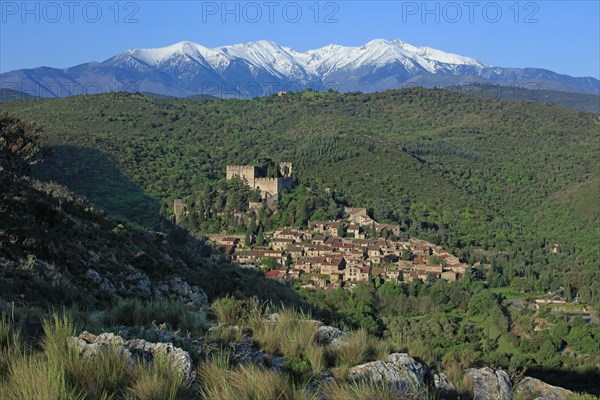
(33, 378)
(315, 355)
(246, 382)
(359, 391)
(59, 372)
(156, 381)
(10, 345)
(290, 334)
(102, 375)
(228, 311)
(225, 334)
(341, 373)
(356, 349)
(370, 390)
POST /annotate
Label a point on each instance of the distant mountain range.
(261, 68)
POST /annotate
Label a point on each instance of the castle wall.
(245, 172)
(285, 169)
(178, 209)
(268, 186)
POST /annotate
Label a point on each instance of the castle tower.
(285, 169)
(178, 209)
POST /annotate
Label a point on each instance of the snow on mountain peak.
(286, 62)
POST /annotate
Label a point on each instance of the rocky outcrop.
(401, 373)
(137, 350)
(101, 282)
(441, 384)
(489, 384)
(176, 288)
(330, 336)
(531, 388)
(179, 359)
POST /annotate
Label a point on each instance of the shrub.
(228, 311)
(174, 314)
(298, 368)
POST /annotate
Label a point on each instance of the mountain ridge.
(262, 67)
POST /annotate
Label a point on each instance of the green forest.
(497, 183)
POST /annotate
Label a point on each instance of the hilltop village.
(333, 254)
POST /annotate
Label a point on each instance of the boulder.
(90, 345)
(531, 388)
(136, 350)
(180, 290)
(489, 384)
(401, 373)
(330, 336)
(179, 359)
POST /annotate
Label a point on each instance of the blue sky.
(563, 36)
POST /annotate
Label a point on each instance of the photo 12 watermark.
(55, 89)
(54, 12)
(253, 12)
(470, 11)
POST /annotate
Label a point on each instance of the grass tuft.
(156, 381)
(356, 349)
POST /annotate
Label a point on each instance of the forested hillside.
(495, 181)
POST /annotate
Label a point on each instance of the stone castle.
(269, 178)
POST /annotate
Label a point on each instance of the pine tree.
(340, 230)
(260, 237)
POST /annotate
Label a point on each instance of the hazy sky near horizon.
(562, 36)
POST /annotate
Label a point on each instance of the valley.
(120, 209)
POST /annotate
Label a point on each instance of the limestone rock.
(400, 372)
(180, 359)
(102, 283)
(489, 384)
(531, 388)
(93, 276)
(178, 289)
(91, 345)
(136, 350)
(330, 336)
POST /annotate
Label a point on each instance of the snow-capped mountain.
(264, 67)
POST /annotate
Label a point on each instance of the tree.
(260, 237)
(373, 231)
(247, 238)
(340, 230)
(19, 145)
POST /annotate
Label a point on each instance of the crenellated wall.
(245, 172)
(269, 187)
